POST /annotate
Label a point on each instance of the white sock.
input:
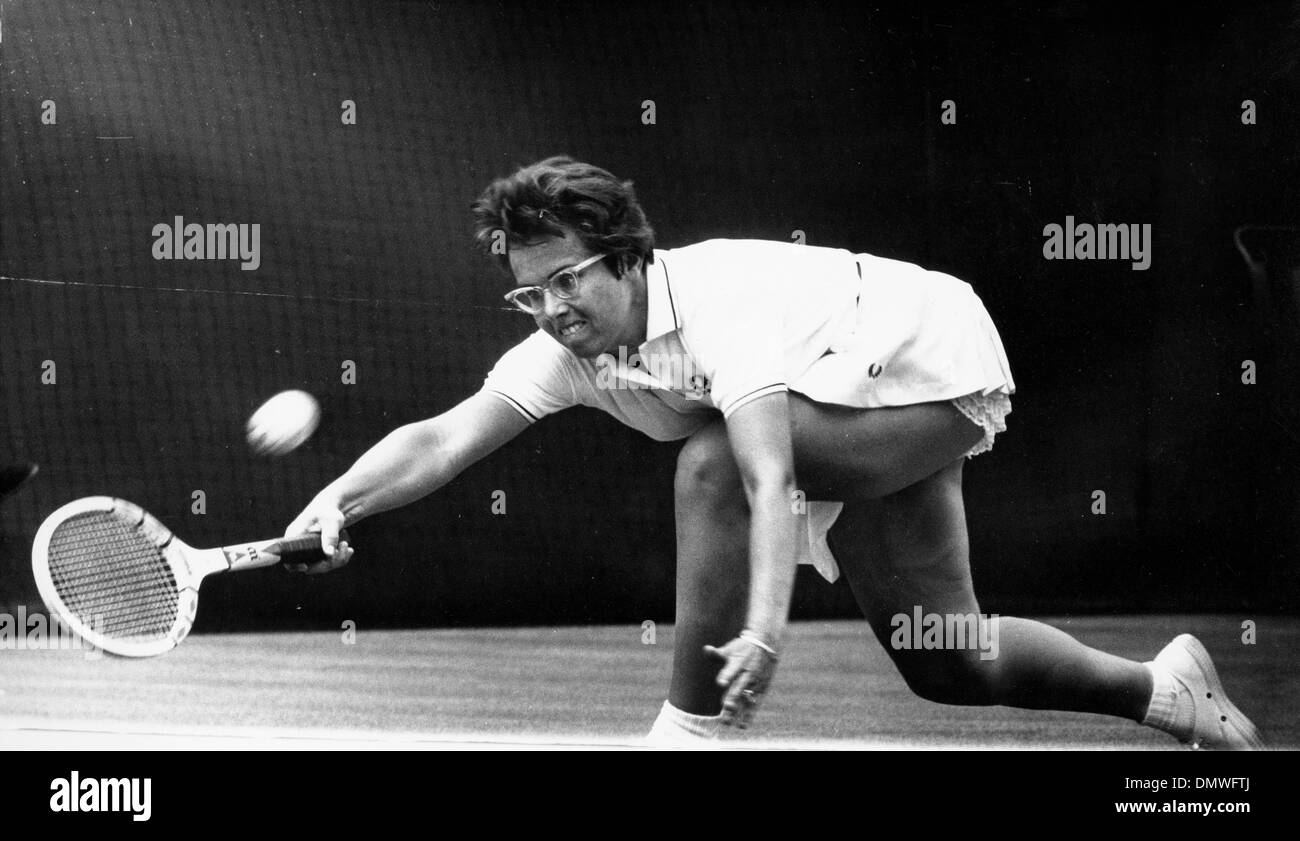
(1169, 710)
(674, 728)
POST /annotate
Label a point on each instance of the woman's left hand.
(746, 673)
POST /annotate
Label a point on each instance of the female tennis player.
(795, 373)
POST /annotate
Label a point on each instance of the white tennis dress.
(729, 321)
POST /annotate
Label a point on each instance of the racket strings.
(113, 577)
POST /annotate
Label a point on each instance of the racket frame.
(189, 566)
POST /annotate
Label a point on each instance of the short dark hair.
(543, 199)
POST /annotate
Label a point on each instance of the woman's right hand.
(323, 516)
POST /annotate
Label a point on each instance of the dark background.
(770, 118)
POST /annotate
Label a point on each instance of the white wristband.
(756, 641)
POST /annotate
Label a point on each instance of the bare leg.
(712, 566)
(910, 550)
(876, 451)
(901, 543)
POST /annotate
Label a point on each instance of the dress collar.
(661, 307)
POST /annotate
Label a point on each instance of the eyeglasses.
(564, 285)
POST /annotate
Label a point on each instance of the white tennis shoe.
(1205, 716)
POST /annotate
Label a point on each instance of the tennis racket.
(126, 584)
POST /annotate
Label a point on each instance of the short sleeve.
(533, 377)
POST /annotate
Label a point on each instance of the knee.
(707, 471)
(950, 677)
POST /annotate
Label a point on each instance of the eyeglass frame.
(549, 285)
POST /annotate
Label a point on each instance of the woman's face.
(605, 313)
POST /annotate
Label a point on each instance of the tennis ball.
(282, 423)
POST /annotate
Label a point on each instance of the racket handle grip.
(304, 549)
